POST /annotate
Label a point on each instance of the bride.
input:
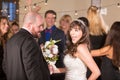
(78, 57)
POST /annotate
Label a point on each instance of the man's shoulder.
(19, 37)
(59, 30)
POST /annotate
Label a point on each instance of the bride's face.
(76, 34)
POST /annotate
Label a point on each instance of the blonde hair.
(97, 25)
(67, 18)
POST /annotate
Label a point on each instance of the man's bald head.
(31, 17)
(33, 23)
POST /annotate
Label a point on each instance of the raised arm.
(29, 4)
(101, 52)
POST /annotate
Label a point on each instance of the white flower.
(55, 46)
(53, 62)
(50, 55)
(55, 49)
(50, 51)
(47, 51)
(47, 43)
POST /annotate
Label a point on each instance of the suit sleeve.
(32, 60)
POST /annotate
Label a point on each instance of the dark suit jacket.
(56, 34)
(23, 59)
(2, 74)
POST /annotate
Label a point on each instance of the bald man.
(23, 59)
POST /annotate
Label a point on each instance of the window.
(9, 9)
(12, 11)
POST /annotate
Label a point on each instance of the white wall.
(113, 12)
(69, 6)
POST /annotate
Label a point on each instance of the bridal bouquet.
(50, 52)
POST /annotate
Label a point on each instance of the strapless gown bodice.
(75, 68)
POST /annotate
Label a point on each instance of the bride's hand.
(50, 67)
(53, 69)
(56, 70)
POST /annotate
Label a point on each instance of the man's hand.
(37, 8)
(29, 2)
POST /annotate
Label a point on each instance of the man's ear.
(30, 25)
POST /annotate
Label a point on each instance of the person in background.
(78, 56)
(54, 33)
(110, 67)
(97, 28)
(85, 20)
(23, 59)
(64, 24)
(4, 29)
(97, 31)
(14, 28)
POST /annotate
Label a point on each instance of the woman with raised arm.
(97, 31)
(110, 67)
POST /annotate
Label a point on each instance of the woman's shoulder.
(82, 48)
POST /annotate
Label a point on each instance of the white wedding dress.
(75, 68)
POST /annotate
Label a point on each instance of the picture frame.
(96, 3)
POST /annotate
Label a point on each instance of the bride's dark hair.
(72, 48)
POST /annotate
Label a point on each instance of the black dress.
(2, 74)
(96, 42)
(108, 70)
